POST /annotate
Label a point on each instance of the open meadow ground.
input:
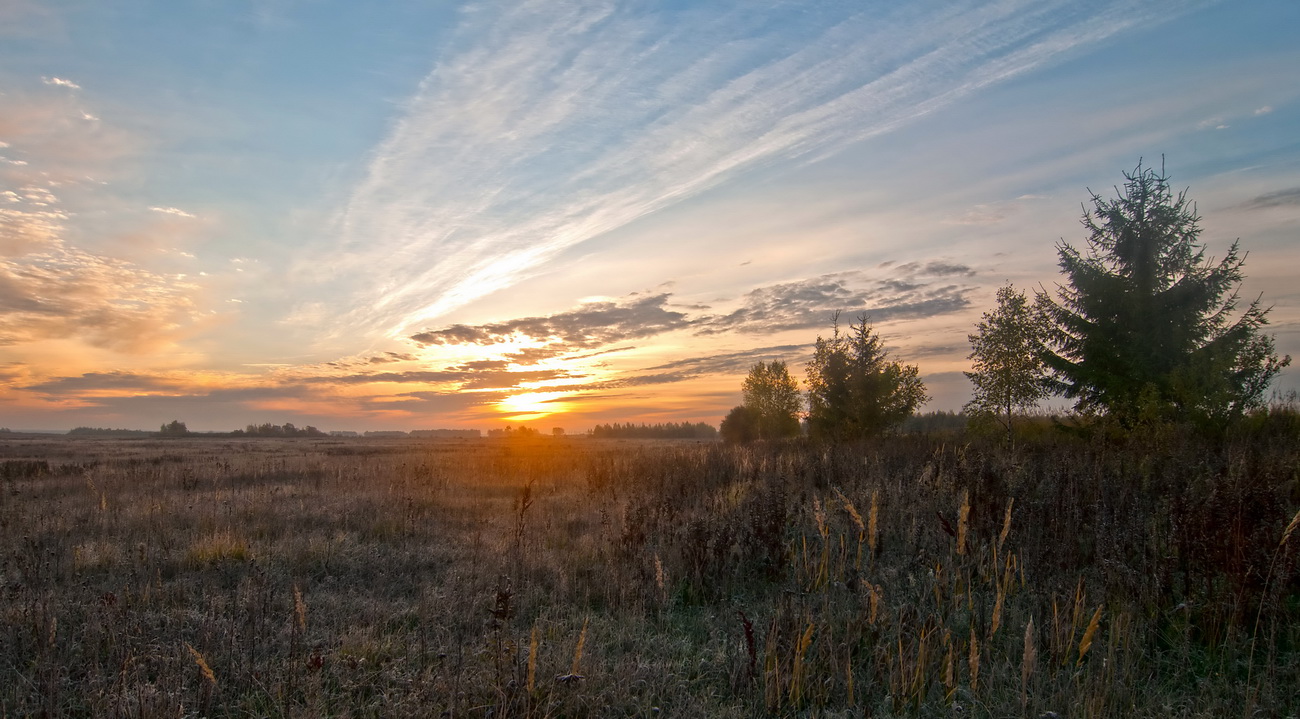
(569, 577)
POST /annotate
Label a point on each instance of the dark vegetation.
(667, 430)
(107, 432)
(916, 575)
(277, 430)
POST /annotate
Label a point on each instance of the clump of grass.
(216, 549)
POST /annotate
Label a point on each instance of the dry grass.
(615, 578)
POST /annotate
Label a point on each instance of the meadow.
(919, 575)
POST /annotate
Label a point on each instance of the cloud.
(1263, 110)
(100, 381)
(548, 124)
(726, 363)
(59, 140)
(1281, 198)
(173, 211)
(388, 357)
(462, 379)
(30, 218)
(60, 82)
(993, 213)
(51, 289)
(911, 291)
(589, 326)
(59, 291)
(900, 291)
(735, 362)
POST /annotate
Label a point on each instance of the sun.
(532, 405)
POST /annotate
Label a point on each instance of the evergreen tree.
(854, 389)
(1007, 354)
(772, 395)
(1144, 327)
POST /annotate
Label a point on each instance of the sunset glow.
(465, 215)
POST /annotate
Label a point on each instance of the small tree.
(772, 395)
(740, 426)
(854, 389)
(1144, 327)
(1007, 353)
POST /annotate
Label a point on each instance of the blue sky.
(458, 214)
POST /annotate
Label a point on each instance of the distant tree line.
(277, 430)
(668, 430)
(935, 422)
(520, 431)
(446, 433)
(107, 432)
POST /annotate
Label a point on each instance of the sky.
(417, 215)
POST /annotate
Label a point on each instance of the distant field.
(572, 577)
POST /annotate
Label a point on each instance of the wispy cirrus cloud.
(1289, 197)
(550, 124)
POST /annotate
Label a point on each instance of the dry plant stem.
(1254, 632)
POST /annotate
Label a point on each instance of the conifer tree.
(854, 389)
(1145, 327)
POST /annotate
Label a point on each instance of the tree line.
(668, 430)
(277, 430)
(1142, 329)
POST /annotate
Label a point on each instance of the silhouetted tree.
(1144, 326)
(1007, 353)
(854, 389)
(740, 426)
(772, 395)
(175, 428)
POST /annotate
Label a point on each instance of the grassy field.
(916, 576)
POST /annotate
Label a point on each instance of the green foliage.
(1143, 329)
(772, 395)
(854, 389)
(1006, 352)
(740, 426)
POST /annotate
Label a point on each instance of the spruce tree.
(1145, 326)
(855, 390)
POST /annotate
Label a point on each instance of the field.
(916, 576)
